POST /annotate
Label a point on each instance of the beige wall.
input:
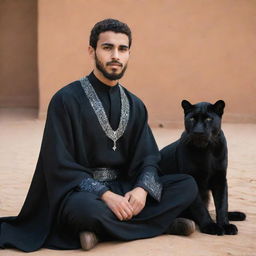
(18, 53)
(199, 50)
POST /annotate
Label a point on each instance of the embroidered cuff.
(93, 186)
(149, 180)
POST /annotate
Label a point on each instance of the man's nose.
(115, 54)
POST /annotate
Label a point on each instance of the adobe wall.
(18, 53)
(198, 50)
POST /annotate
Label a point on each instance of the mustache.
(114, 62)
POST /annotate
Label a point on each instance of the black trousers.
(84, 211)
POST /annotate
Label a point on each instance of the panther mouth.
(200, 141)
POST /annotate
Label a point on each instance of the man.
(96, 176)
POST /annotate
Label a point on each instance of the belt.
(105, 174)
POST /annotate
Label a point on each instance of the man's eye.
(208, 119)
(106, 47)
(124, 49)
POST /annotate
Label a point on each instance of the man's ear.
(91, 51)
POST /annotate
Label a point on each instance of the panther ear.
(187, 106)
(218, 107)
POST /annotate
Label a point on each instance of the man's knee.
(185, 184)
(83, 211)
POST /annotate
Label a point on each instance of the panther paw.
(212, 229)
(230, 229)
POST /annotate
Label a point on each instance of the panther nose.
(198, 130)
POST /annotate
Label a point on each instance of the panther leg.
(201, 216)
(220, 196)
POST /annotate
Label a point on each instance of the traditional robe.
(73, 144)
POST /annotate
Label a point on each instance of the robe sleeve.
(145, 158)
(93, 186)
(62, 171)
(149, 181)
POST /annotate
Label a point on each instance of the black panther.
(202, 153)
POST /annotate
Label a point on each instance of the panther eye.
(208, 119)
(192, 119)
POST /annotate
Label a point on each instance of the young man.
(96, 176)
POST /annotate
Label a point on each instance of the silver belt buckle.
(105, 174)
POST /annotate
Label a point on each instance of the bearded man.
(96, 177)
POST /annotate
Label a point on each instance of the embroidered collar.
(101, 115)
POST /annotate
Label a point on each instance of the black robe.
(73, 143)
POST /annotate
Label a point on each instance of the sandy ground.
(20, 138)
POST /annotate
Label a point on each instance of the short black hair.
(109, 25)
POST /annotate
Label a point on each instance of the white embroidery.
(150, 181)
(101, 115)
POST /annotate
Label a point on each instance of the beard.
(111, 76)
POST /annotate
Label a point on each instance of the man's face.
(112, 54)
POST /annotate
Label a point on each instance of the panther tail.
(236, 216)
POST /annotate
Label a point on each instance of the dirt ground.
(20, 138)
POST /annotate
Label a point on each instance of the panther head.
(202, 122)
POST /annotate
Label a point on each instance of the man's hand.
(137, 198)
(119, 205)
